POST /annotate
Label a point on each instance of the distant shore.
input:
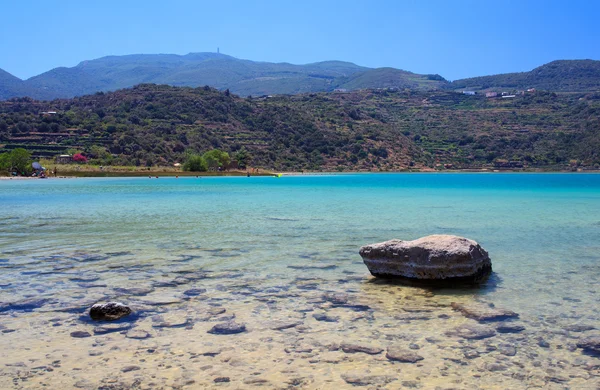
(92, 174)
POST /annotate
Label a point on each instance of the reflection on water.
(281, 257)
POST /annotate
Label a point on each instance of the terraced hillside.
(364, 130)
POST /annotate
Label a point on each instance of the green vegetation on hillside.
(152, 125)
(556, 76)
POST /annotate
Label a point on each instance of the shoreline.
(80, 175)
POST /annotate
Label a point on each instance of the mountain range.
(251, 78)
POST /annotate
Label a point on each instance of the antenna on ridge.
(217, 50)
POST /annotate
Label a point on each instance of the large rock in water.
(432, 258)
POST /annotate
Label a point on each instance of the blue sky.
(455, 38)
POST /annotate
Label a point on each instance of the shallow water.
(283, 252)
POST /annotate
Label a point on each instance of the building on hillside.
(64, 159)
(469, 92)
(508, 96)
(491, 94)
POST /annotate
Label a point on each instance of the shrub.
(195, 163)
(79, 158)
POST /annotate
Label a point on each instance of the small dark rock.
(507, 349)
(325, 318)
(282, 325)
(130, 368)
(194, 292)
(231, 327)
(80, 334)
(471, 354)
(221, 379)
(543, 343)
(109, 311)
(494, 367)
(509, 328)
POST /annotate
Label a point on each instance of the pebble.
(80, 334)
(282, 325)
(221, 379)
(130, 368)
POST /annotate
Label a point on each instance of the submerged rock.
(431, 258)
(355, 348)
(483, 313)
(400, 354)
(590, 344)
(110, 311)
(510, 328)
(472, 332)
(79, 334)
(360, 379)
(230, 327)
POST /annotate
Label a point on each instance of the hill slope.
(10, 85)
(364, 130)
(558, 76)
(220, 71)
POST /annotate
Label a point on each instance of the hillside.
(10, 85)
(365, 130)
(557, 76)
(242, 77)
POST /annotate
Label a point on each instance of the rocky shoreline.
(191, 327)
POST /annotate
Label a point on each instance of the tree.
(4, 161)
(242, 157)
(216, 159)
(195, 163)
(20, 160)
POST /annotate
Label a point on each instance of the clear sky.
(455, 38)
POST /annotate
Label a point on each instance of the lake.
(280, 255)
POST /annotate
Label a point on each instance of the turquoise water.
(267, 249)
